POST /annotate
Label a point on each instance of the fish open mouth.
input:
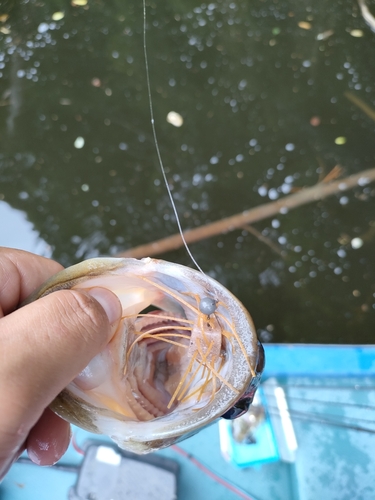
(172, 357)
(183, 355)
(156, 380)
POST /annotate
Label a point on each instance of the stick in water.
(261, 212)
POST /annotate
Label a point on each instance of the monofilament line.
(157, 144)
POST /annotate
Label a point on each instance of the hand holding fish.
(145, 351)
(44, 345)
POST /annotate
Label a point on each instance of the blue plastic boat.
(317, 441)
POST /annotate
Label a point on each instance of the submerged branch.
(264, 239)
(361, 104)
(306, 195)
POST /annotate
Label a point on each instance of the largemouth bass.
(185, 354)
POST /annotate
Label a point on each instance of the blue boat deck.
(332, 404)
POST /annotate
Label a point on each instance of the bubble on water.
(344, 200)
(43, 28)
(362, 181)
(79, 143)
(273, 194)
(356, 243)
(290, 146)
(286, 188)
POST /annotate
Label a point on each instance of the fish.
(185, 353)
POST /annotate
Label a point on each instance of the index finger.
(20, 274)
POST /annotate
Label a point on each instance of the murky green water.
(260, 86)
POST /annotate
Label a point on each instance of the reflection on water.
(262, 88)
(18, 232)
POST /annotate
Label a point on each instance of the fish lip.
(244, 402)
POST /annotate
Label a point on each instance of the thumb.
(44, 345)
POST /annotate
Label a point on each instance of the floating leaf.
(324, 35)
(65, 101)
(340, 140)
(305, 25)
(357, 33)
(4, 17)
(175, 119)
(79, 3)
(315, 121)
(57, 16)
(4, 30)
(95, 82)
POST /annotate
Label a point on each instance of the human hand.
(43, 346)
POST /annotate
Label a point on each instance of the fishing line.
(329, 416)
(157, 144)
(213, 475)
(329, 387)
(327, 403)
(317, 418)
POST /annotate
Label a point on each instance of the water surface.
(261, 89)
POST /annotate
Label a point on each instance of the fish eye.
(240, 408)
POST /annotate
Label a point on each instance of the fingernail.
(109, 302)
(48, 439)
